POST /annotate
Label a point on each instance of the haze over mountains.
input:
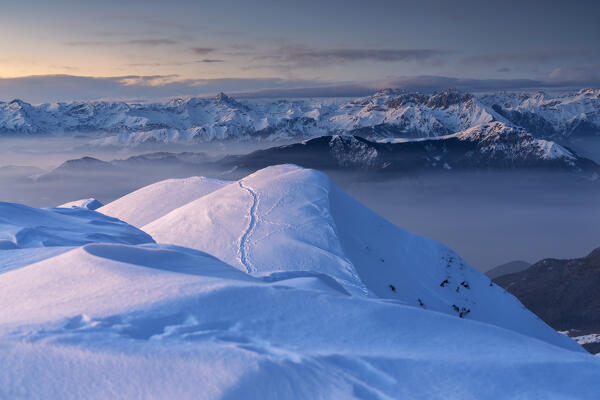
(504, 173)
(389, 131)
(495, 149)
(490, 147)
(507, 268)
(448, 166)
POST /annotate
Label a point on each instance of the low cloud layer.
(535, 57)
(576, 74)
(148, 42)
(152, 42)
(203, 50)
(52, 88)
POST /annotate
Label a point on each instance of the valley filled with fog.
(488, 217)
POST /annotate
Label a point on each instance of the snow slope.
(88, 204)
(306, 294)
(289, 219)
(28, 234)
(28, 227)
(161, 322)
(152, 202)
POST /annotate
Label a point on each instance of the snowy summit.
(279, 285)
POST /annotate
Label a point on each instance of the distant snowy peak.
(494, 146)
(387, 113)
(514, 143)
(544, 115)
(398, 98)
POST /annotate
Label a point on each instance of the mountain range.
(489, 147)
(386, 114)
(494, 146)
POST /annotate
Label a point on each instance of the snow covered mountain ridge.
(493, 146)
(277, 285)
(387, 113)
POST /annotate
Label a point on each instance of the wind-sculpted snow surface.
(28, 227)
(162, 322)
(303, 222)
(292, 216)
(292, 290)
(29, 234)
(153, 201)
(88, 204)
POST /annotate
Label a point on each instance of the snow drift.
(152, 202)
(286, 218)
(287, 288)
(25, 227)
(88, 204)
(155, 321)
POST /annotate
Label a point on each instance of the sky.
(63, 49)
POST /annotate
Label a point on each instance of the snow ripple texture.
(86, 319)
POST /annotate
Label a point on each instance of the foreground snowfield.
(287, 218)
(293, 301)
(28, 227)
(153, 201)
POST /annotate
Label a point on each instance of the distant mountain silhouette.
(563, 293)
(507, 268)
